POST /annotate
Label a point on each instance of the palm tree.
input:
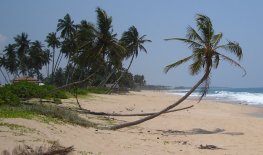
(11, 62)
(53, 42)
(66, 26)
(133, 43)
(204, 44)
(68, 30)
(106, 45)
(38, 57)
(22, 45)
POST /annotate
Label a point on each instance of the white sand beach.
(230, 127)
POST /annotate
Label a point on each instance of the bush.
(12, 93)
(7, 97)
(85, 91)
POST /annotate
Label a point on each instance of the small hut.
(26, 78)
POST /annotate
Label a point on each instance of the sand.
(230, 127)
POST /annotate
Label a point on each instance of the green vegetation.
(90, 90)
(44, 113)
(12, 94)
(89, 48)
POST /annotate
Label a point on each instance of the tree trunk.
(4, 75)
(122, 74)
(84, 111)
(106, 79)
(76, 96)
(53, 61)
(119, 126)
(60, 55)
(48, 65)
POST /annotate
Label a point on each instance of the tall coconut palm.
(68, 30)
(66, 26)
(106, 43)
(204, 44)
(54, 43)
(11, 62)
(22, 44)
(38, 57)
(133, 43)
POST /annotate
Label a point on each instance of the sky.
(238, 20)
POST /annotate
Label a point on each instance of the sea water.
(250, 96)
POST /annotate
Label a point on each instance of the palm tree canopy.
(133, 41)
(52, 40)
(37, 56)
(66, 26)
(205, 46)
(106, 45)
(22, 44)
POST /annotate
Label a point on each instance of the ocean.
(249, 96)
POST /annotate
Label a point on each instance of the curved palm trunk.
(58, 61)
(3, 75)
(122, 74)
(53, 60)
(8, 76)
(106, 79)
(85, 111)
(119, 126)
(68, 76)
(48, 65)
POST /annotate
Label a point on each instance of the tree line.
(89, 48)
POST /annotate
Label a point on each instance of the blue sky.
(238, 20)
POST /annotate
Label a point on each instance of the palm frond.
(191, 43)
(216, 61)
(103, 21)
(193, 35)
(205, 25)
(173, 65)
(234, 48)
(195, 67)
(216, 39)
(142, 48)
(233, 62)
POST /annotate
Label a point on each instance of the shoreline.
(227, 126)
(214, 99)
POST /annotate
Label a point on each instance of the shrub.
(7, 97)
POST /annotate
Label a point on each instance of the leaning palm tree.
(204, 44)
(133, 43)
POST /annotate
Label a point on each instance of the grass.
(91, 90)
(44, 113)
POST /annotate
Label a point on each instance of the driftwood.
(209, 147)
(55, 149)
